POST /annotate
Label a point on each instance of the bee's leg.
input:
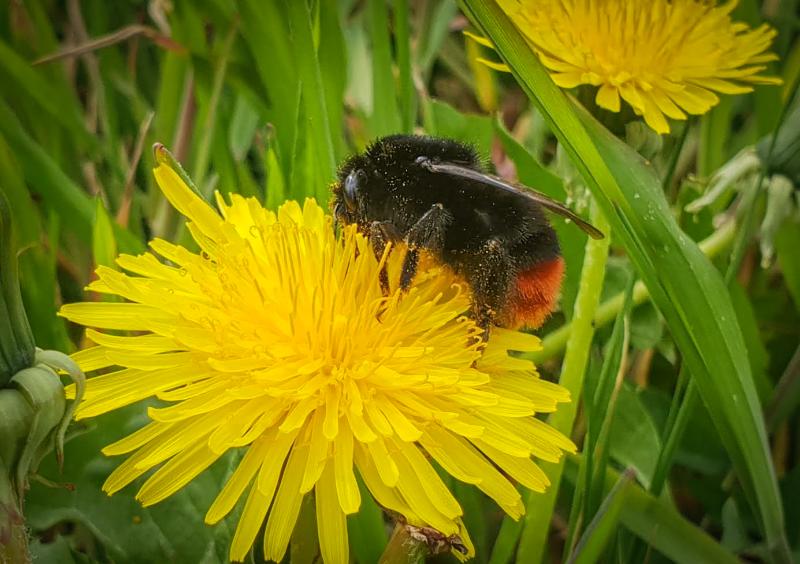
(380, 234)
(428, 233)
(490, 281)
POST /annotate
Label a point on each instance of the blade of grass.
(657, 522)
(316, 113)
(402, 45)
(786, 396)
(332, 53)
(685, 286)
(599, 402)
(366, 529)
(604, 403)
(433, 25)
(539, 511)
(593, 542)
(37, 261)
(475, 518)
(60, 192)
(267, 35)
(674, 428)
(385, 117)
(540, 506)
(62, 108)
(789, 258)
(715, 128)
(104, 246)
(208, 122)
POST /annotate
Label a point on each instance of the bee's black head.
(391, 164)
(350, 192)
(348, 196)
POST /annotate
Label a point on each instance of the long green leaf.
(657, 522)
(602, 527)
(316, 112)
(45, 177)
(385, 112)
(684, 285)
(268, 37)
(540, 507)
(62, 108)
(402, 42)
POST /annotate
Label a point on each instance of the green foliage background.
(264, 98)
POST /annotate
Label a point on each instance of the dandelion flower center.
(276, 340)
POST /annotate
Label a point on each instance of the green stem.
(555, 342)
(673, 161)
(786, 395)
(679, 414)
(677, 420)
(540, 507)
(403, 548)
(13, 533)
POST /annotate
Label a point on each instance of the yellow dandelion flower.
(277, 340)
(663, 57)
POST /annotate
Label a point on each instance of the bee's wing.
(489, 180)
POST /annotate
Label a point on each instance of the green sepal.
(59, 361)
(17, 416)
(43, 390)
(16, 339)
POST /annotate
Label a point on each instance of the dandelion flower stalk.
(275, 340)
(33, 412)
(664, 58)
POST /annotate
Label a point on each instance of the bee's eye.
(354, 181)
(426, 162)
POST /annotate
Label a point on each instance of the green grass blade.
(408, 102)
(48, 180)
(385, 113)
(316, 112)
(789, 258)
(332, 53)
(209, 121)
(715, 129)
(539, 512)
(18, 74)
(267, 35)
(366, 529)
(685, 286)
(104, 245)
(600, 417)
(658, 523)
(592, 544)
(434, 24)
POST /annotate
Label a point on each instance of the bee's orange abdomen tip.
(535, 295)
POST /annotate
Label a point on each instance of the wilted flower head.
(663, 57)
(277, 340)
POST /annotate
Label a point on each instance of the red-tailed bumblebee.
(434, 194)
